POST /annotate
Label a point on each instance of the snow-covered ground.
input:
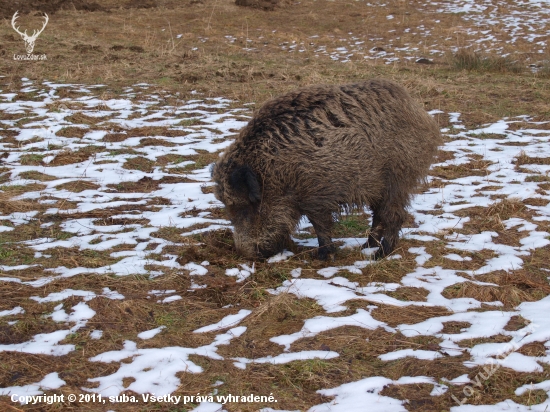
(106, 168)
(136, 108)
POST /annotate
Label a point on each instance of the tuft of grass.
(191, 122)
(474, 168)
(31, 159)
(139, 163)
(408, 294)
(72, 132)
(9, 205)
(68, 156)
(516, 323)
(14, 190)
(537, 178)
(512, 289)
(466, 59)
(34, 175)
(524, 159)
(353, 225)
(77, 186)
(505, 208)
(544, 71)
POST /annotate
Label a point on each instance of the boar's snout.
(255, 249)
(246, 246)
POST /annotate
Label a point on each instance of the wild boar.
(322, 150)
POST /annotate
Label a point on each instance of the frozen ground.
(207, 125)
(487, 26)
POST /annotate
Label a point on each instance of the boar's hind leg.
(392, 217)
(323, 225)
(376, 230)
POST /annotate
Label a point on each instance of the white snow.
(352, 397)
(287, 357)
(226, 322)
(319, 324)
(15, 311)
(155, 369)
(419, 354)
(137, 218)
(148, 334)
(50, 381)
(96, 334)
(279, 257)
(241, 274)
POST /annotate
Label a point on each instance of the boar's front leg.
(376, 230)
(392, 217)
(322, 223)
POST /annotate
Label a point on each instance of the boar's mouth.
(273, 249)
(264, 251)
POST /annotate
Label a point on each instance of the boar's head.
(262, 222)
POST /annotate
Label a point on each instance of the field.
(118, 272)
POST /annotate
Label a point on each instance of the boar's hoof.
(325, 251)
(384, 250)
(371, 242)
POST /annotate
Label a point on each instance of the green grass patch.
(355, 225)
(32, 159)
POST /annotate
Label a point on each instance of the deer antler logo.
(29, 40)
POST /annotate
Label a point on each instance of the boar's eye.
(243, 179)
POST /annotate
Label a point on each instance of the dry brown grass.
(72, 132)
(474, 168)
(77, 186)
(407, 294)
(408, 315)
(127, 46)
(9, 205)
(512, 289)
(524, 159)
(33, 175)
(68, 156)
(467, 59)
(139, 163)
(222, 68)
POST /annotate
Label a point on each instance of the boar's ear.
(243, 178)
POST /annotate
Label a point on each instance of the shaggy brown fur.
(322, 149)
